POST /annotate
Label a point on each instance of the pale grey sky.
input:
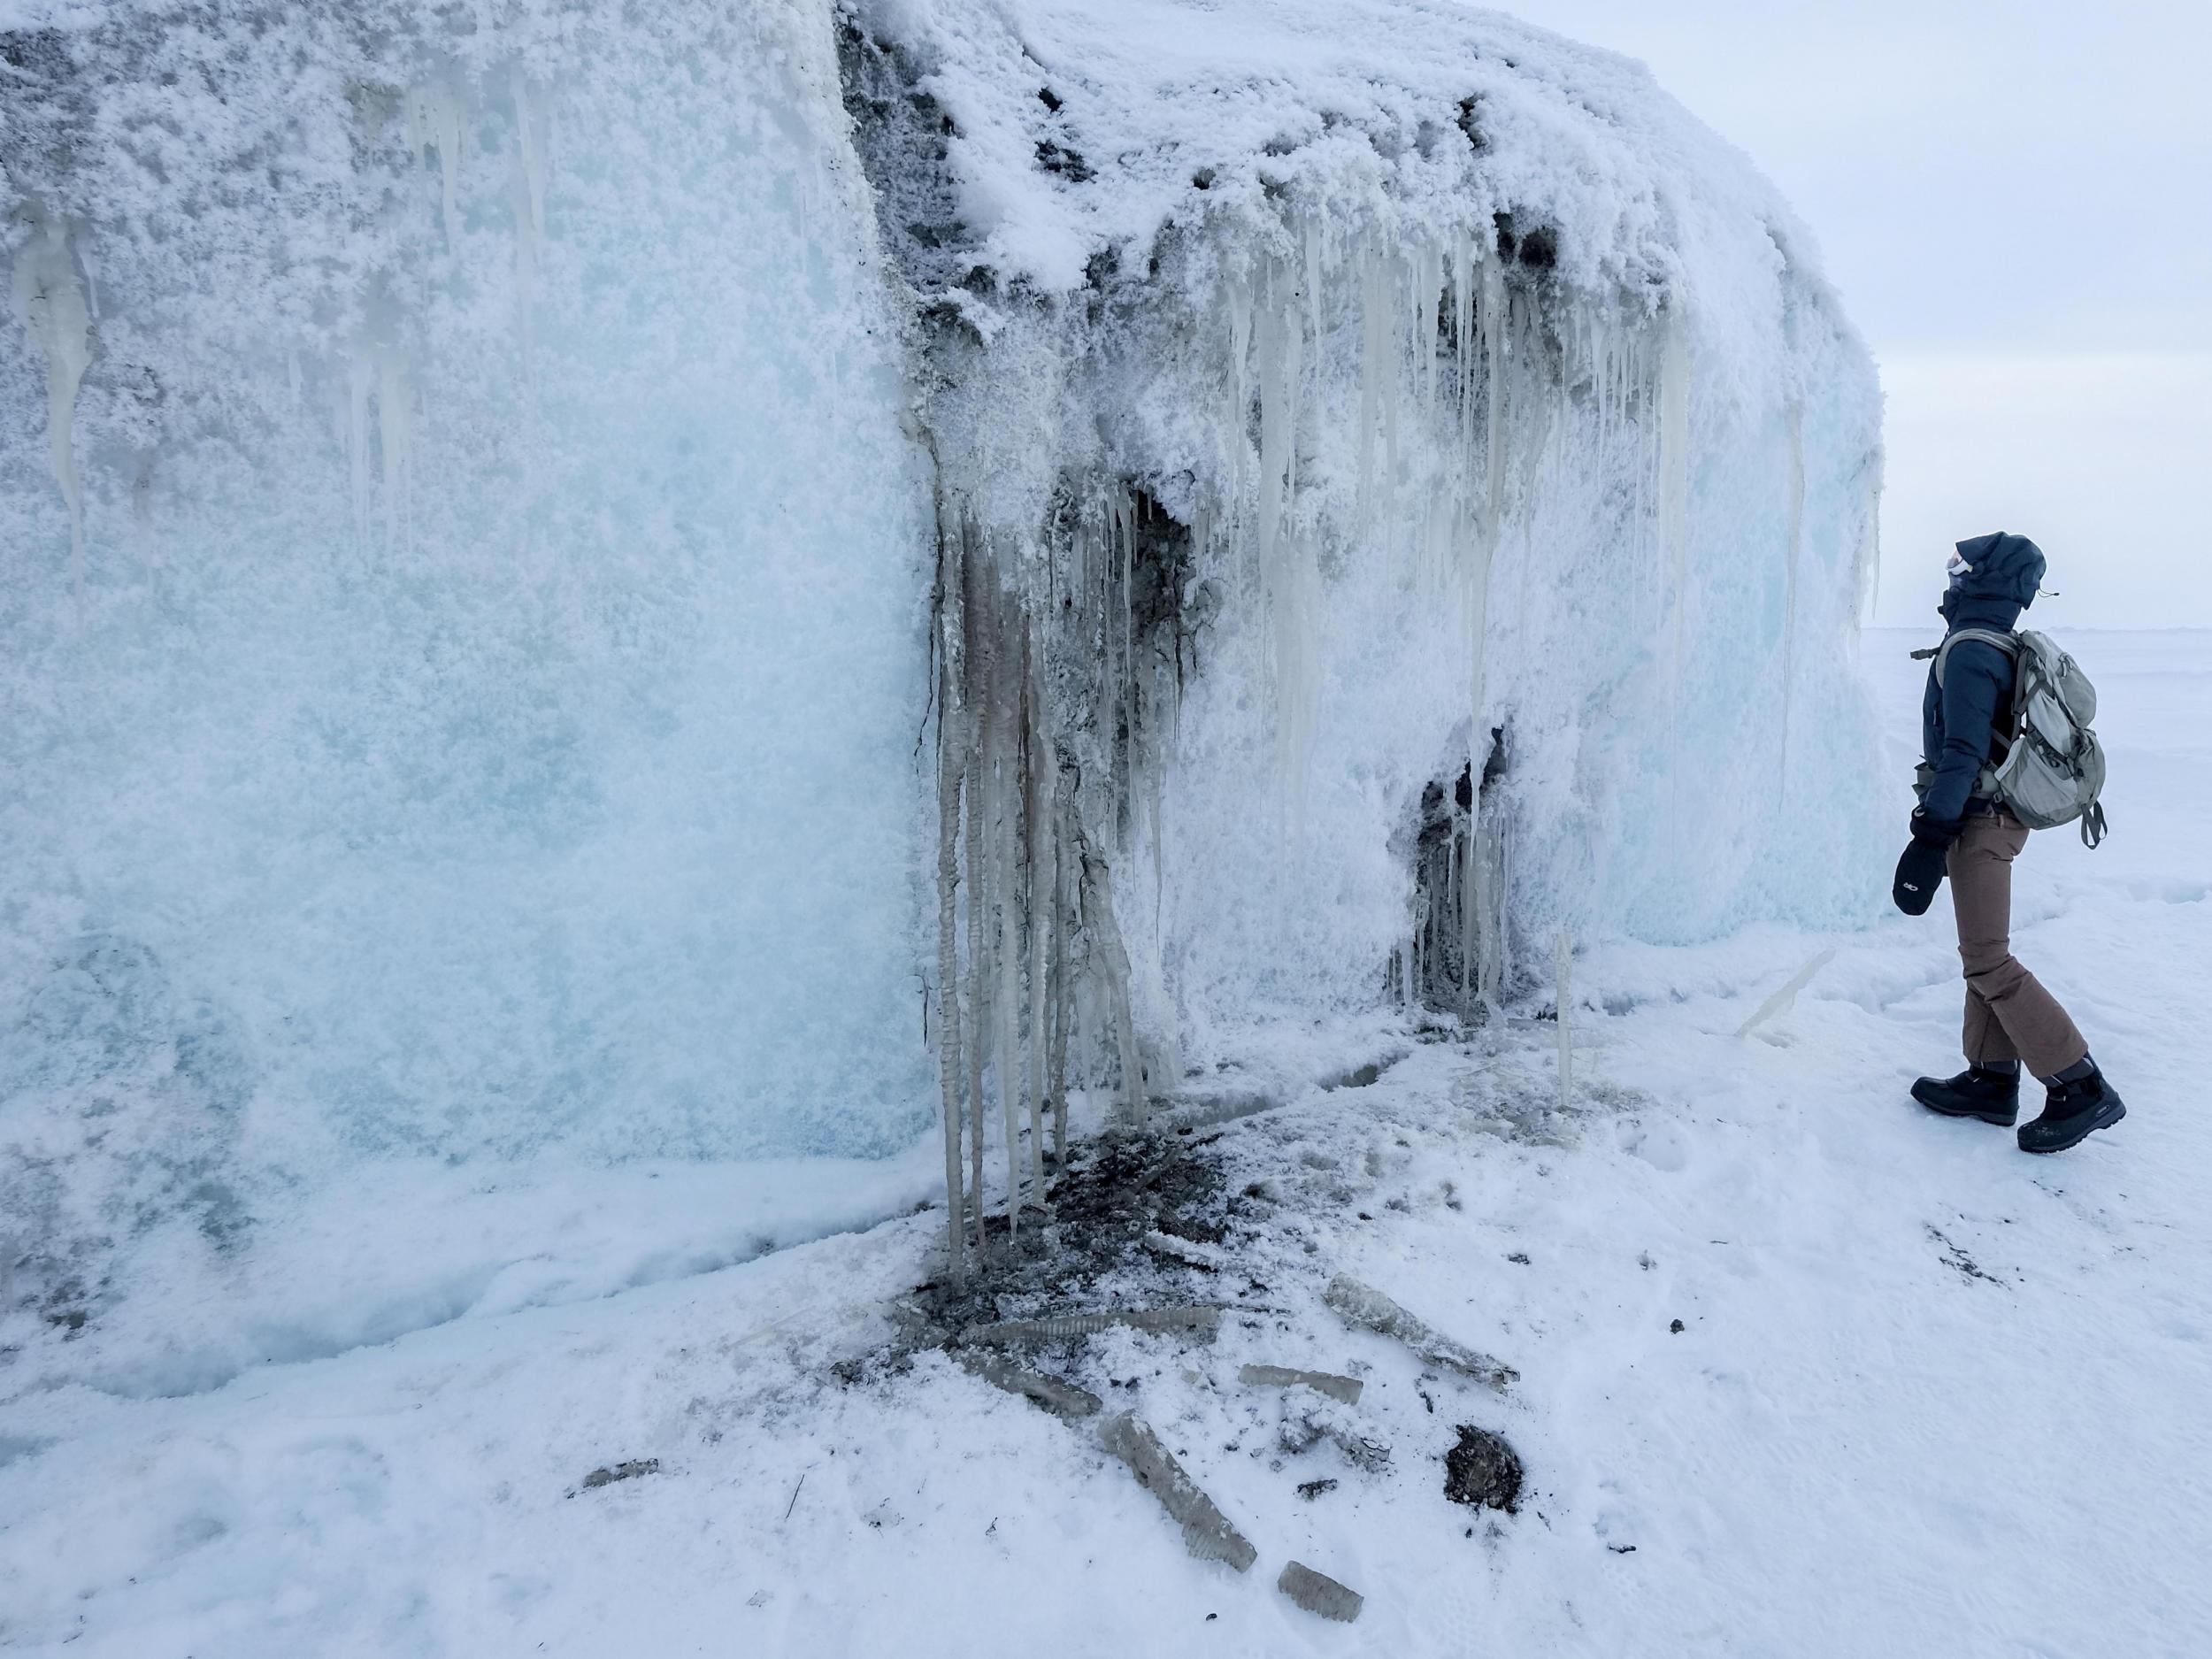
(2015, 197)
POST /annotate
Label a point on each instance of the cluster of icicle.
(1059, 660)
(1479, 387)
(1028, 944)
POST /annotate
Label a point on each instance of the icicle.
(1789, 586)
(360, 380)
(982, 683)
(55, 315)
(1285, 561)
(1098, 893)
(1496, 305)
(952, 727)
(529, 192)
(434, 122)
(1470, 918)
(1388, 273)
(1463, 279)
(1674, 477)
(1237, 427)
(1427, 300)
(1870, 553)
(1006, 946)
(1563, 961)
(1042, 862)
(395, 436)
(1486, 901)
(1312, 236)
(1373, 362)
(1063, 999)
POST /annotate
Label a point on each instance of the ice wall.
(480, 712)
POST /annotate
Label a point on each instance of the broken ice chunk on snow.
(1364, 1305)
(1206, 1533)
(1317, 1593)
(1061, 1399)
(1205, 1320)
(1344, 1388)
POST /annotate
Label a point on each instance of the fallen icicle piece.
(54, 314)
(1781, 1002)
(1188, 1251)
(1206, 1533)
(1364, 1305)
(1061, 1399)
(1009, 1332)
(1317, 1593)
(1344, 1388)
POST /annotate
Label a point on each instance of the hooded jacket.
(1958, 719)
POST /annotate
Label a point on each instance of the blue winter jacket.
(1958, 719)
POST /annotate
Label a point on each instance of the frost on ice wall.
(482, 714)
(681, 581)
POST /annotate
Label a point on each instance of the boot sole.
(2103, 1118)
(2004, 1120)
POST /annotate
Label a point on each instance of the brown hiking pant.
(2010, 1015)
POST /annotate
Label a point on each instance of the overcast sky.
(2016, 200)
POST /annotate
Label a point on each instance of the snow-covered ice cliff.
(594, 579)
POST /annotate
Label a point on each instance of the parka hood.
(2005, 572)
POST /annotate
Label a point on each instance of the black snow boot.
(2072, 1111)
(1992, 1096)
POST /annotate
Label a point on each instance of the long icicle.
(1042, 856)
(981, 687)
(1562, 961)
(1098, 884)
(951, 741)
(1006, 946)
(1062, 995)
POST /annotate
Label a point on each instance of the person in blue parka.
(1959, 829)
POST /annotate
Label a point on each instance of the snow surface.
(1930, 1395)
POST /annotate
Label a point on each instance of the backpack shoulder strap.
(2007, 644)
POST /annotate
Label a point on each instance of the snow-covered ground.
(1929, 1396)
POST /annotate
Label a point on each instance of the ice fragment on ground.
(1319, 1594)
(1783, 1000)
(1344, 1388)
(1008, 1331)
(1061, 1399)
(1192, 1251)
(1206, 1533)
(1364, 1305)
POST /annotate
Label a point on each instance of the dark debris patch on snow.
(1122, 1191)
(608, 1474)
(1958, 1261)
(1483, 1471)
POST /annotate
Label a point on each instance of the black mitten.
(1943, 832)
(1919, 873)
